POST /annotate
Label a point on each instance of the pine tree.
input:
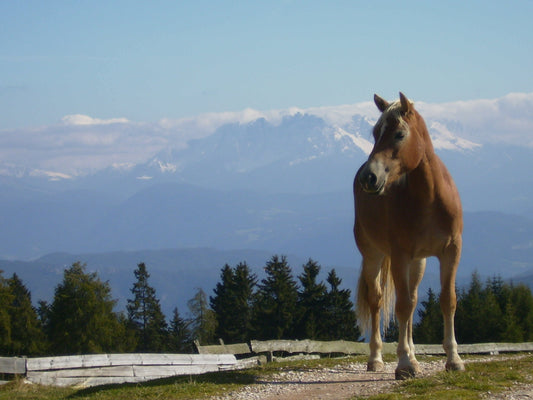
(6, 299)
(203, 322)
(429, 328)
(244, 286)
(340, 319)
(276, 304)
(513, 331)
(500, 289)
(311, 303)
(493, 325)
(26, 331)
(81, 317)
(469, 315)
(232, 303)
(179, 334)
(392, 332)
(145, 315)
(521, 298)
(222, 304)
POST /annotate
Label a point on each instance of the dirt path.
(341, 383)
(336, 383)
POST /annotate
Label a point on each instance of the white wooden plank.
(122, 370)
(99, 360)
(83, 381)
(171, 370)
(238, 348)
(12, 365)
(61, 362)
(435, 349)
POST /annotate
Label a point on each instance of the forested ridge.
(82, 317)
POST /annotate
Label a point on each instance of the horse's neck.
(422, 181)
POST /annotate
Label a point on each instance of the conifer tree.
(27, 336)
(179, 334)
(244, 285)
(512, 331)
(145, 315)
(311, 303)
(81, 317)
(500, 290)
(429, 328)
(232, 303)
(6, 299)
(222, 304)
(492, 326)
(276, 304)
(521, 298)
(340, 319)
(469, 315)
(203, 321)
(391, 334)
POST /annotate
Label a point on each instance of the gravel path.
(342, 383)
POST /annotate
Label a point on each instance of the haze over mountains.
(278, 182)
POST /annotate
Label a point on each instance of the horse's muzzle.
(372, 182)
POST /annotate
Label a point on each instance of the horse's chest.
(410, 230)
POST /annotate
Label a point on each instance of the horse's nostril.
(372, 179)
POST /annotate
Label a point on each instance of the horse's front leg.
(374, 299)
(449, 262)
(405, 306)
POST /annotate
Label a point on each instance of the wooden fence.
(353, 348)
(101, 369)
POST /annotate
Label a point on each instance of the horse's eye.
(399, 135)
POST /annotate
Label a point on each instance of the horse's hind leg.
(448, 302)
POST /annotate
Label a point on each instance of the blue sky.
(145, 61)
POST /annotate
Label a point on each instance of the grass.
(480, 377)
(182, 387)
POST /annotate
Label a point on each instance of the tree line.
(492, 312)
(82, 316)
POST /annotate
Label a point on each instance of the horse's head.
(399, 145)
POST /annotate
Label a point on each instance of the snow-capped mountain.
(299, 153)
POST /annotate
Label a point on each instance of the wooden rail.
(101, 369)
(346, 347)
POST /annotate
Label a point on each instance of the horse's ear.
(406, 105)
(382, 104)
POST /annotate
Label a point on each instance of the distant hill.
(176, 274)
(495, 244)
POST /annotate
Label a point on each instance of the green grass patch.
(479, 378)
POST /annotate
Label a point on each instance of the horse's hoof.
(455, 366)
(375, 366)
(402, 374)
(416, 366)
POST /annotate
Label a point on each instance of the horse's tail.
(386, 286)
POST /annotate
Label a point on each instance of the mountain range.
(273, 183)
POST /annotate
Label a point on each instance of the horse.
(407, 208)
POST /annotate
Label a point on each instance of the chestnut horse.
(407, 208)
